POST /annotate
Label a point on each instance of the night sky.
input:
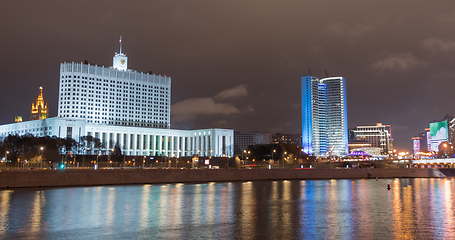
(236, 63)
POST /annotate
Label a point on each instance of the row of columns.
(164, 145)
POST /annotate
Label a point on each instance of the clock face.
(122, 61)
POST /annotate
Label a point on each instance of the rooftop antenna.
(326, 73)
(309, 71)
(120, 43)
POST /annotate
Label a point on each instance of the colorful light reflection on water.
(332, 209)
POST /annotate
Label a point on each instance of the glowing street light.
(6, 156)
(41, 152)
(97, 160)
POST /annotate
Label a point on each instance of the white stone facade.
(104, 95)
(136, 141)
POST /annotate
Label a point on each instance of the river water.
(320, 209)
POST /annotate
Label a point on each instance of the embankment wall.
(89, 177)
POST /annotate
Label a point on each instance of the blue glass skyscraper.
(324, 116)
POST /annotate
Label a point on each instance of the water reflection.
(36, 213)
(332, 209)
(448, 207)
(4, 210)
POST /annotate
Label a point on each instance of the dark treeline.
(31, 151)
(28, 148)
(275, 152)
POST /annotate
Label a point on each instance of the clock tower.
(120, 60)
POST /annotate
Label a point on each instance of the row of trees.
(275, 152)
(29, 148)
(34, 149)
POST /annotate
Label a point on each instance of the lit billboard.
(439, 132)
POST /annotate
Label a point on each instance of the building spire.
(120, 60)
(120, 43)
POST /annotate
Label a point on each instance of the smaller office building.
(244, 139)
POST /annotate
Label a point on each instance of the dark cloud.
(235, 92)
(439, 45)
(398, 62)
(192, 108)
(396, 54)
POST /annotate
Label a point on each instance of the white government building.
(122, 107)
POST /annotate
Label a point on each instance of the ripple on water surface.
(323, 209)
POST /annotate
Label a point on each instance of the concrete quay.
(90, 177)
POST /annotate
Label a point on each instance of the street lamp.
(6, 156)
(282, 159)
(273, 159)
(41, 152)
(97, 159)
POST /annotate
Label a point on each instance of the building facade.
(379, 135)
(114, 95)
(324, 116)
(281, 138)
(137, 141)
(124, 108)
(244, 139)
(416, 145)
(421, 143)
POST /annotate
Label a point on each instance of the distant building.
(451, 125)
(18, 119)
(423, 140)
(280, 138)
(379, 136)
(39, 107)
(416, 145)
(324, 116)
(427, 138)
(244, 139)
(360, 146)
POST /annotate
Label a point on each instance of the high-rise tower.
(114, 95)
(39, 107)
(324, 116)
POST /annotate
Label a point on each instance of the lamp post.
(41, 153)
(244, 158)
(273, 153)
(6, 156)
(97, 159)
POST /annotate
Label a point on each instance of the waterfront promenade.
(90, 177)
